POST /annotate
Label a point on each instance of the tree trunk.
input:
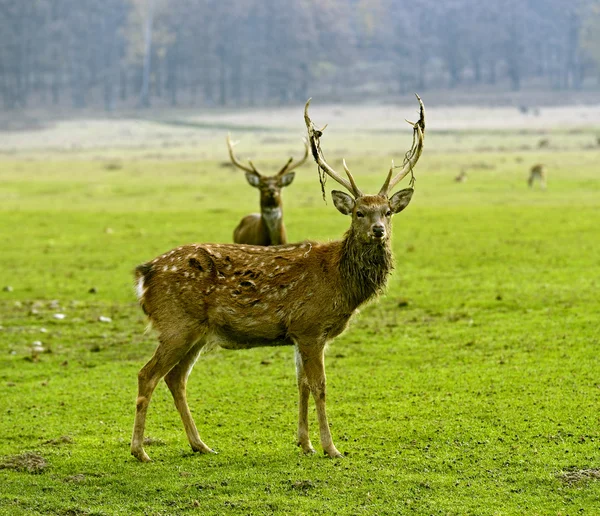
(144, 92)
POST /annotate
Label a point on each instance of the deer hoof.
(333, 453)
(307, 448)
(203, 449)
(141, 455)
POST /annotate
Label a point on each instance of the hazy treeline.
(123, 53)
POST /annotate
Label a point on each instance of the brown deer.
(537, 173)
(266, 227)
(461, 177)
(241, 296)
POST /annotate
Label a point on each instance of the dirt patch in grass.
(302, 485)
(63, 439)
(80, 477)
(151, 441)
(28, 461)
(579, 475)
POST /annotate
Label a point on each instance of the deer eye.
(360, 214)
(388, 213)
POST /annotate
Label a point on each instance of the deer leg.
(176, 380)
(303, 395)
(314, 368)
(168, 353)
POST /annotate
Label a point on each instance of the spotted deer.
(537, 173)
(266, 227)
(241, 296)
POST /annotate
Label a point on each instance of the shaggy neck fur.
(364, 268)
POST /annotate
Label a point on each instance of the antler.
(234, 160)
(314, 136)
(411, 157)
(288, 167)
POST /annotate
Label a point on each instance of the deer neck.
(273, 218)
(364, 268)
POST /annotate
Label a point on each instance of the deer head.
(371, 214)
(269, 186)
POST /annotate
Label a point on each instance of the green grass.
(469, 388)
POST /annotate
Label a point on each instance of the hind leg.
(176, 380)
(303, 395)
(170, 351)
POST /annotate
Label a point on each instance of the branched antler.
(412, 155)
(235, 161)
(314, 136)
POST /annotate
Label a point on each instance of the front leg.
(313, 363)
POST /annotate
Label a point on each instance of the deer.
(461, 177)
(537, 173)
(240, 296)
(266, 227)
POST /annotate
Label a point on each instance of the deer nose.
(378, 230)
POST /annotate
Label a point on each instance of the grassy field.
(471, 387)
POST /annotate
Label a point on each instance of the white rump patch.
(139, 288)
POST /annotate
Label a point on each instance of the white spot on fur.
(174, 269)
(165, 268)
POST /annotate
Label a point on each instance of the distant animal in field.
(598, 141)
(537, 173)
(266, 227)
(544, 143)
(244, 296)
(523, 109)
(461, 177)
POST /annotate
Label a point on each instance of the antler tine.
(314, 136)
(234, 160)
(352, 182)
(412, 156)
(288, 167)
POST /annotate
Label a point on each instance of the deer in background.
(241, 296)
(461, 177)
(537, 173)
(266, 227)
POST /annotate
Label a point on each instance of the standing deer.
(461, 177)
(266, 227)
(537, 173)
(240, 296)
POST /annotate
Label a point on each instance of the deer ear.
(343, 202)
(253, 179)
(286, 179)
(400, 200)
